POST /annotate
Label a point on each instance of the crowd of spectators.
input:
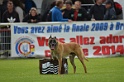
(26, 11)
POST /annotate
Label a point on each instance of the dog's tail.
(83, 55)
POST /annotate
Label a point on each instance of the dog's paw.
(54, 58)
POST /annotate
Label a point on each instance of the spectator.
(85, 1)
(46, 16)
(97, 12)
(56, 12)
(19, 8)
(68, 10)
(3, 8)
(1, 2)
(79, 14)
(28, 5)
(32, 17)
(10, 13)
(46, 6)
(118, 9)
(110, 13)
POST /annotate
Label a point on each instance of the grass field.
(99, 70)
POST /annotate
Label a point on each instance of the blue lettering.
(32, 30)
(99, 26)
(80, 28)
(105, 26)
(48, 29)
(111, 26)
(37, 29)
(42, 30)
(20, 30)
(66, 28)
(54, 29)
(93, 27)
(119, 26)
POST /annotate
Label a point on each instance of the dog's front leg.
(53, 56)
(60, 65)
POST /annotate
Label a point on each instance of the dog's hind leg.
(80, 57)
(82, 61)
(71, 57)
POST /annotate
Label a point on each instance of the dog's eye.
(50, 41)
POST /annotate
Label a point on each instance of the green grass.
(99, 70)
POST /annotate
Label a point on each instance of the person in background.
(56, 14)
(47, 16)
(1, 2)
(19, 8)
(110, 13)
(28, 5)
(97, 12)
(118, 9)
(45, 8)
(32, 17)
(3, 8)
(10, 13)
(79, 14)
(68, 10)
(84, 1)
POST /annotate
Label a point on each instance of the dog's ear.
(50, 37)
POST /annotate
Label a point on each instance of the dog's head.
(52, 42)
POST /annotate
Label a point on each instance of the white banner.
(98, 39)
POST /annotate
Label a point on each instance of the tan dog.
(61, 50)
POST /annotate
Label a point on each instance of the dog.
(61, 50)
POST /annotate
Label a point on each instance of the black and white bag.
(49, 66)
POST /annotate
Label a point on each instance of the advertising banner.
(97, 38)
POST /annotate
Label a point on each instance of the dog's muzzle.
(53, 46)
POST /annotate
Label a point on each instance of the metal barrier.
(5, 41)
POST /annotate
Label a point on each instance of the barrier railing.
(5, 41)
